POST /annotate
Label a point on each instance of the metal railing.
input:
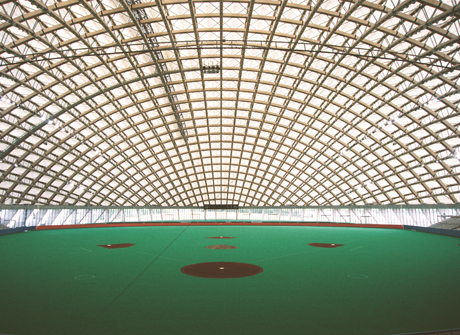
(14, 216)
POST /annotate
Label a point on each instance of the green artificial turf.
(382, 281)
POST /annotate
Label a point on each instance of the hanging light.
(213, 68)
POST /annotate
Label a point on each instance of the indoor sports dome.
(237, 167)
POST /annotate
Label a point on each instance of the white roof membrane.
(262, 103)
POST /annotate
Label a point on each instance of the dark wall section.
(455, 233)
(14, 231)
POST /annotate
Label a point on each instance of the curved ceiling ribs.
(320, 102)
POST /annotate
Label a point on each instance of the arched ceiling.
(312, 103)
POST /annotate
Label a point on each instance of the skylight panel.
(286, 28)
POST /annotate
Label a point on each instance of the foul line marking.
(135, 279)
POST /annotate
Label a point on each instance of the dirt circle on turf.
(221, 246)
(221, 270)
(216, 237)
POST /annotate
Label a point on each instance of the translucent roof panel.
(256, 103)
